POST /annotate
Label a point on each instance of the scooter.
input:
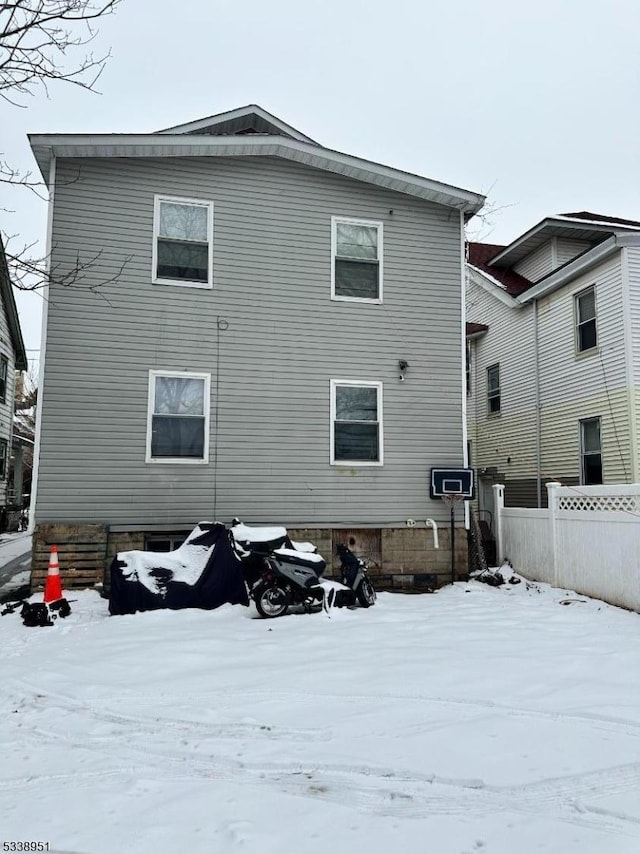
(353, 574)
(277, 574)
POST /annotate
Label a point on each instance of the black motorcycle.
(353, 574)
(277, 574)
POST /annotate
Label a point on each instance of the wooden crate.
(82, 553)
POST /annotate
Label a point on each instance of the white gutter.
(463, 357)
(630, 371)
(181, 145)
(536, 369)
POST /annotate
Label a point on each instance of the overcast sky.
(534, 104)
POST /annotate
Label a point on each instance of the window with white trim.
(183, 242)
(356, 422)
(356, 260)
(178, 417)
(585, 312)
(590, 452)
(4, 367)
(493, 389)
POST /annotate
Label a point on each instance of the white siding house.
(568, 350)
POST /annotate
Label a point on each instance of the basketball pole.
(453, 542)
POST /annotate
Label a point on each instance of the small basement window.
(356, 271)
(165, 542)
(183, 242)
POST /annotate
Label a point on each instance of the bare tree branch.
(38, 40)
(31, 272)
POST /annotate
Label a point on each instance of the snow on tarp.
(203, 572)
(246, 534)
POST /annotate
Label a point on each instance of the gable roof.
(590, 227)
(251, 119)
(13, 322)
(479, 256)
(249, 131)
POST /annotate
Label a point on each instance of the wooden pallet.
(82, 553)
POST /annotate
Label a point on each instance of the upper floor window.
(493, 389)
(178, 417)
(356, 422)
(4, 447)
(468, 365)
(4, 367)
(356, 260)
(183, 242)
(590, 451)
(585, 311)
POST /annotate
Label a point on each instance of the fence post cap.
(553, 484)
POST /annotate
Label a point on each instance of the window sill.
(189, 461)
(183, 284)
(370, 300)
(355, 464)
(584, 354)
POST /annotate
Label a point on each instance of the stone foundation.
(397, 558)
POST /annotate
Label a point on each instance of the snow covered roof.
(479, 255)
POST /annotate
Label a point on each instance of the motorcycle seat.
(263, 539)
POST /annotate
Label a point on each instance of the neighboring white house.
(13, 358)
(553, 357)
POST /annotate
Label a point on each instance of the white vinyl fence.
(588, 540)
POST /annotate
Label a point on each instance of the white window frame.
(157, 200)
(206, 410)
(491, 394)
(583, 453)
(334, 248)
(578, 323)
(334, 384)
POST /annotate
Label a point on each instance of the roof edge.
(238, 112)
(6, 290)
(44, 146)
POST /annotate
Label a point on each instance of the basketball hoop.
(451, 499)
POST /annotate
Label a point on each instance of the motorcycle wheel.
(365, 593)
(272, 601)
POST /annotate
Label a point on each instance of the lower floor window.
(356, 422)
(178, 417)
(3, 459)
(590, 451)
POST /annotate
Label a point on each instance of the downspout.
(630, 373)
(43, 344)
(536, 373)
(463, 354)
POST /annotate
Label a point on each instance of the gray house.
(263, 328)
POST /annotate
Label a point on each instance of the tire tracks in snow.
(368, 788)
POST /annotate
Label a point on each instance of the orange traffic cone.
(52, 585)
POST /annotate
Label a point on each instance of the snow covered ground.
(473, 721)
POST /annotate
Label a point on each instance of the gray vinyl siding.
(537, 264)
(270, 370)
